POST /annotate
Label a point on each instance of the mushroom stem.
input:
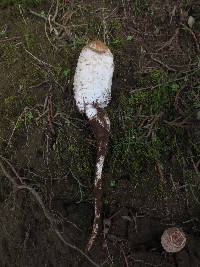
(100, 125)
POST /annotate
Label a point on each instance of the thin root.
(47, 213)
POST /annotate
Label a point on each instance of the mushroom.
(173, 240)
(92, 91)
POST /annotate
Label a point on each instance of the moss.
(30, 39)
(116, 25)
(141, 7)
(10, 55)
(11, 106)
(9, 101)
(24, 3)
(72, 149)
(139, 142)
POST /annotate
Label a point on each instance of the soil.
(152, 170)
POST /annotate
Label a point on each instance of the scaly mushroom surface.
(92, 91)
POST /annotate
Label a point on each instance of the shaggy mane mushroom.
(92, 91)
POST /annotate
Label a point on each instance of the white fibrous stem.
(97, 201)
(101, 131)
(101, 127)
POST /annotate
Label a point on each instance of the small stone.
(173, 240)
(191, 21)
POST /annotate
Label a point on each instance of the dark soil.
(151, 176)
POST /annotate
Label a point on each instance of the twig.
(22, 15)
(12, 168)
(187, 74)
(46, 212)
(48, 18)
(177, 123)
(173, 14)
(50, 114)
(9, 39)
(75, 248)
(106, 227)
(125, 258)
(39, 84)
(194, 196)
(154, 121)
(124, 7)
(105, 28)
(163, 64)
(45, 26)
(160, 170)
(54, 26)
(41, 62)
(195, 166)
(56, 11)
(38, 15)
(80, 185)
(16, 125)
(169, 42)
(193, 35)
(49, 67)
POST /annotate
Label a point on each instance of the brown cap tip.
(98, 46)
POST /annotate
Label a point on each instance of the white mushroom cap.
(173, 240)
(93, 78)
